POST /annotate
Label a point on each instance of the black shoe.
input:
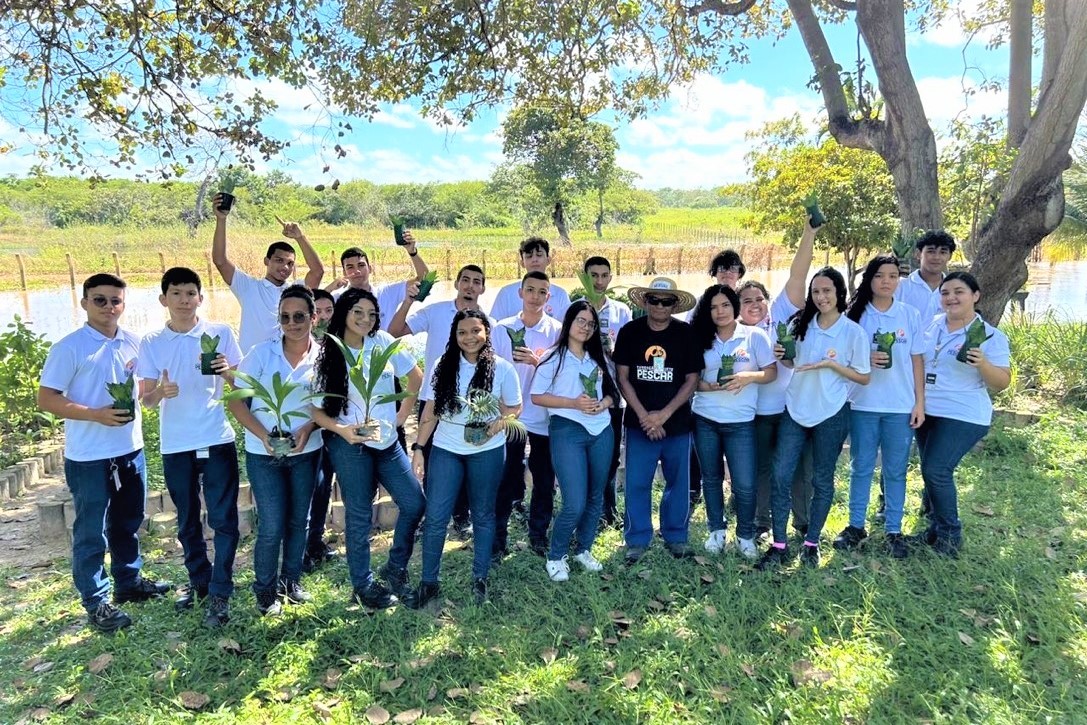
(927, 537)
(188, 596)
(881, 510)
(809, 556)
(462, 530)
(850, 538)
(294, 593)
(268, 604)
(634, 554)
(309, 564)
(896, 544)
(218, 612)
(679, 550)
(498, 555)
(145, 589)
(479, 590)
(375, 596)
(946, 547)
(396, 579)
(773, 558)
(426, 593)
(539, 546)
(107, 619)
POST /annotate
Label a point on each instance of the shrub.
(22, 356)
(1047, 357)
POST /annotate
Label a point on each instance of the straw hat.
(663, 285)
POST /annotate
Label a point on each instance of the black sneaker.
(217, 613)
(107, 619)
(268, 603)
(426, 593)
(896, 544)
(946, 547)
(773, 558)
(926, 537)
(539, 546)
(294, 593)
(679, 550)
(375, 596)
(850, 538)
(881, 509)
(145, 589)
(396, 579)
(809, 556)
(189, 595)
(634, 554)
(479, 589)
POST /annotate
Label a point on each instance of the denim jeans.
(184, 472)
(581, 463)
(510, 489)
(673, 452)
(541, 506)
(766, 441)
(890, 433)
(108, 511)
(943, 442)
(447, 474)
(827, 439)
(713, 443)
(611, 509)
(359, 470)
(322, 496)
(282, 489)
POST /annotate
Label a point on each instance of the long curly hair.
(445, 372)
(802, 319)
(702, 322)
(863, 295)
(330, 373)
(593, 347)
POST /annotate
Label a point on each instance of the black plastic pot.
(226, 201)
(206, 359)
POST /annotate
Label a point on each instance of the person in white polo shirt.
(104, 464)
(259, 298)
(886, 411)
(958, 409)
(831, 352)
(195, 438)
(921, 289)
(358, 273)
(536, 257)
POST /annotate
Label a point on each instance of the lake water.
(1061, 287)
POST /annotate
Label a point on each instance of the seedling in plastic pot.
(588, 382)
(483, 410)
(426, 285)
(273, 401)
(398, 230)
(209, 350)
(728, 366)
(517, 337)
(787, 341)
(815, 214)
(885, 342)
(975, 335)
(122, 396)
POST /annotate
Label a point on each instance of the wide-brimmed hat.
(663, 285)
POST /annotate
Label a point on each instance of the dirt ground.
(20, 545)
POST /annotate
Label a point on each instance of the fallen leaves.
(230, 645)
(578, 686)
(331, 679)
(805, 673)
(548, 655)
(391, 685)
(710, 610)
(99, 663)
(408, 716)
(632, 679)
(377, 715)
(720, 693)
(984, 511)
(191, 700)
(707, 578)
(966, 639)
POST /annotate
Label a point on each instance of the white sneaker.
(715, 544)
(558, 570)
(587, 560)
(747, 548)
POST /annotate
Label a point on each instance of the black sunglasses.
(99, 301)
(298, 318)
(666, 301)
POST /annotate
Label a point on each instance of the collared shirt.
(449, 433)
(264, 361)
(916, 293)
(751, 348)
(259, 301)
(436, 321)
(815, 395)
(613, 315)
(565, 380)
(79, 365)
(954, 389)
(196, 418)
(508, 303)
(891, 390)
(539, 338)
(771, 397)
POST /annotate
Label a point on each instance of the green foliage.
(122, 393)
(366, 377)
(1047, 357)
(22, 356)
(272, 401)
(208, 343)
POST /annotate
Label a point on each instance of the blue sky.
(695, 139)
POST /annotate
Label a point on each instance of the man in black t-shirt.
(658, 366)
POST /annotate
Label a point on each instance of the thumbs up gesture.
(167, 388)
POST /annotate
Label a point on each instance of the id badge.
(202, 454)
(930, 378)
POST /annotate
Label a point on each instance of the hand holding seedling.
(110, 416)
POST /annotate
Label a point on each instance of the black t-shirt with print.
(659, 363)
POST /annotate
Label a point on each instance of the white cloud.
(947, 98)
(951, 33)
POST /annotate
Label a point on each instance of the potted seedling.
(209, 350)
(885, 342)
(274, 401)
(319, 329)
(975, 335)
(398, 230)
(815, 214)
(483, 411)
(517, 337)
(787, 341)
(588, 382)
(226, 192)
(728, 367)
(365, 379)
(121, 393)
(426, 285)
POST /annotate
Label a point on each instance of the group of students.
(770, 386)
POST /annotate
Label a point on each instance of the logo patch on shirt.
(832, 354)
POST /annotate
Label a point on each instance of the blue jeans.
(735, 441)
(479, 473)
(282, 489)
(541, 506)
(360, 469)
(322, 495)
(766, 443)
(674, 454)
(109, 511)
(891, 434)
(182, 472)
(581, 462)
(942, 443)
(511, 488)
(827, 439)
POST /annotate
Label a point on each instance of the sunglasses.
(666, 301)
(297, 318)
(100, 301)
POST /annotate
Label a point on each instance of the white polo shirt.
(259, 301)
(751, 348)
(264, 361)
(916, 293)
(539, 338)
(508, 303)
(449, 434)
(79, 365)
(613, 315)
(771, 397)
(954, 389)
(566, 382)
(196, 418)
(815, 395)
(436, 320)
(890, 390)
(389, 297)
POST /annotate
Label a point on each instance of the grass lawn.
(996, 636)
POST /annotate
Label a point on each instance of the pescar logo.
(657, 373)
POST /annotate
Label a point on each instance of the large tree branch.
(721, 7)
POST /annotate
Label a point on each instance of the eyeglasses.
(735, 269)
(297, 318)
(584, 324)
(100, 301)
(666, 301)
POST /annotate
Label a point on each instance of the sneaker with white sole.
(715, 544)
(558, 569)
(747, 548)
(587, 560)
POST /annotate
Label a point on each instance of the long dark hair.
(593, 346)
(704, 328)
(445, 372)
(802, 319)
(330, 373)
(863, 295)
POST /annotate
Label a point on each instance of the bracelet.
(413, 254)
(416, 446)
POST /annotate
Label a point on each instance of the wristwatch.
(413, 254)
(416, 446)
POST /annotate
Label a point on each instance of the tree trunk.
(1019, 46)
(599, 223)
(559, 217)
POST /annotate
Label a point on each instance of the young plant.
(588, 291)
(885, 343)
(517, 337)
(484, 409)
(728, 366)
(398, 230)
(426, 285)
(209, 350)
(273, 401)
(588, 382)
(787, 341)
(975, 335)
(122, 395)
(815, 214)
(226, 191)
(365, 379)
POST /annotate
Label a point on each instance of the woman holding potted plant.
(472, 401)
(965, 357)
(281, 454)
(355, 371)
(573, 382)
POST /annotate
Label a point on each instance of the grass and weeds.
(1047, 359)
(999, 635)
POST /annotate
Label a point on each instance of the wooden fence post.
(162, 262)
(618, 258)
(448, 263)
(211, 277)
(332, 260)
(651, 264)
(484, 263)
(22, 271)
(116, 264)
(71, 269)
(679, 262)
